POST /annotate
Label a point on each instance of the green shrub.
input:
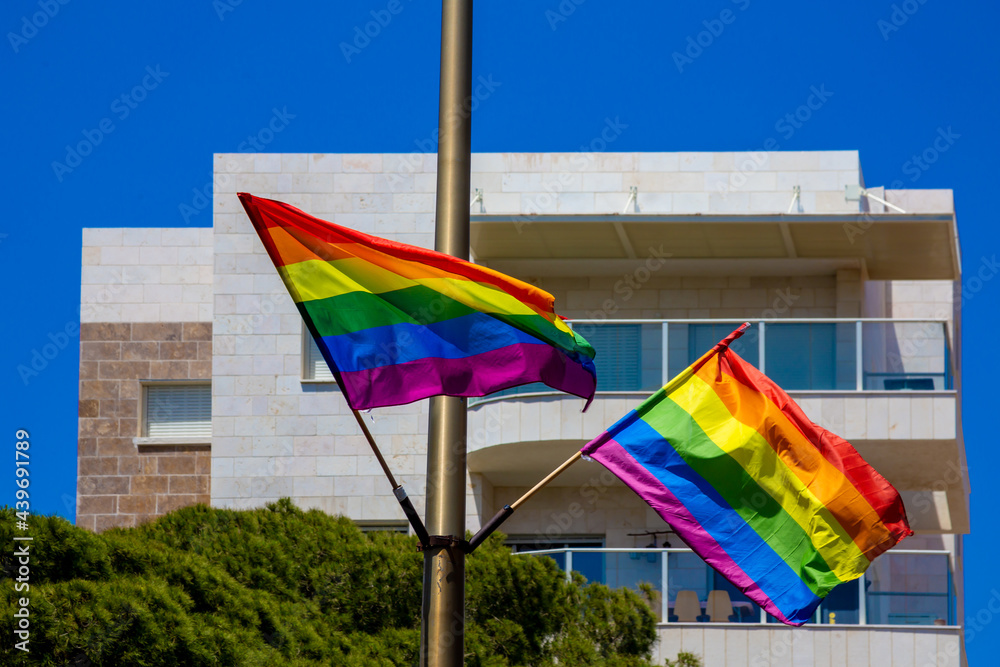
(279, 585)
(685, 659)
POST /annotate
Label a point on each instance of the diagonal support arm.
(507, 510)
(397, 489)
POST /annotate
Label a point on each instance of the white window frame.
(518, 543)
(313, 358)
(199, 436)
(398, 527)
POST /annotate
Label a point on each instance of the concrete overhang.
(521, 464)
(888, 246)
(520, 439)
(929, 475)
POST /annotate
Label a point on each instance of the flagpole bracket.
(411, 514)
(447, 541)
(488, 528)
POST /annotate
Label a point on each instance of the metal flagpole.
(442, 636)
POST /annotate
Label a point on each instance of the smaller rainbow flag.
(783, 509)
(397, 323)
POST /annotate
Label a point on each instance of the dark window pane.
(590, 565)
(688, 342)
(811, 355)
(841, 605)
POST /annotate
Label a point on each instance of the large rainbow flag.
(397, 323)
(782, 508)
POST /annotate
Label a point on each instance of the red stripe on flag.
(879, 493)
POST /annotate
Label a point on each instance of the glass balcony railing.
(799, 355)
(900, 588)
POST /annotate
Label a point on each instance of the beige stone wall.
(681, 183)
(120, 483)
(669, 297)
(932, 299)
(602, 508)
(778, 646)
(146, 274)
(275, 434)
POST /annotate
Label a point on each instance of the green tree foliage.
(685, 659)
(278, 585)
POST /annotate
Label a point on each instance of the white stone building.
(855, 295)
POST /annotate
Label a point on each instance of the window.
(314, 366)
(914, 383)
(688, 342)
(687, 572)
(588, 563)
(811, 355)
(177, 410)
(618, 348)
(910, 589)
(629, 355)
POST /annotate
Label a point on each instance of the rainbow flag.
(397, 323)
(783, 509)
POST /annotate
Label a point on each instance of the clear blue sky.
(896, 76)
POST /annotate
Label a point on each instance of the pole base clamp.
(449, 541)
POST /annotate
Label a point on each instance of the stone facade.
(146, 274)
(122, 482)
(276, 433)
(680, 183)
(207, 304)
(301, 442)
(672, 297)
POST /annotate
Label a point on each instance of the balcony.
(902, 612)
(800, 355)
(901, 587)
(887, 386)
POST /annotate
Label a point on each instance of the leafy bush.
(685, 659)
(278, 585)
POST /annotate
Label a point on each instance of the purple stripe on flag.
(476, 375)
(615, 458)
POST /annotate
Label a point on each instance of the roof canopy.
(888, 246)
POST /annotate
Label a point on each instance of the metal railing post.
(569, 565)
(949, 375)
(862, 602)
(859, 359)
(951, 597)
(761, 347)
(664, 588)
(665, 354)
